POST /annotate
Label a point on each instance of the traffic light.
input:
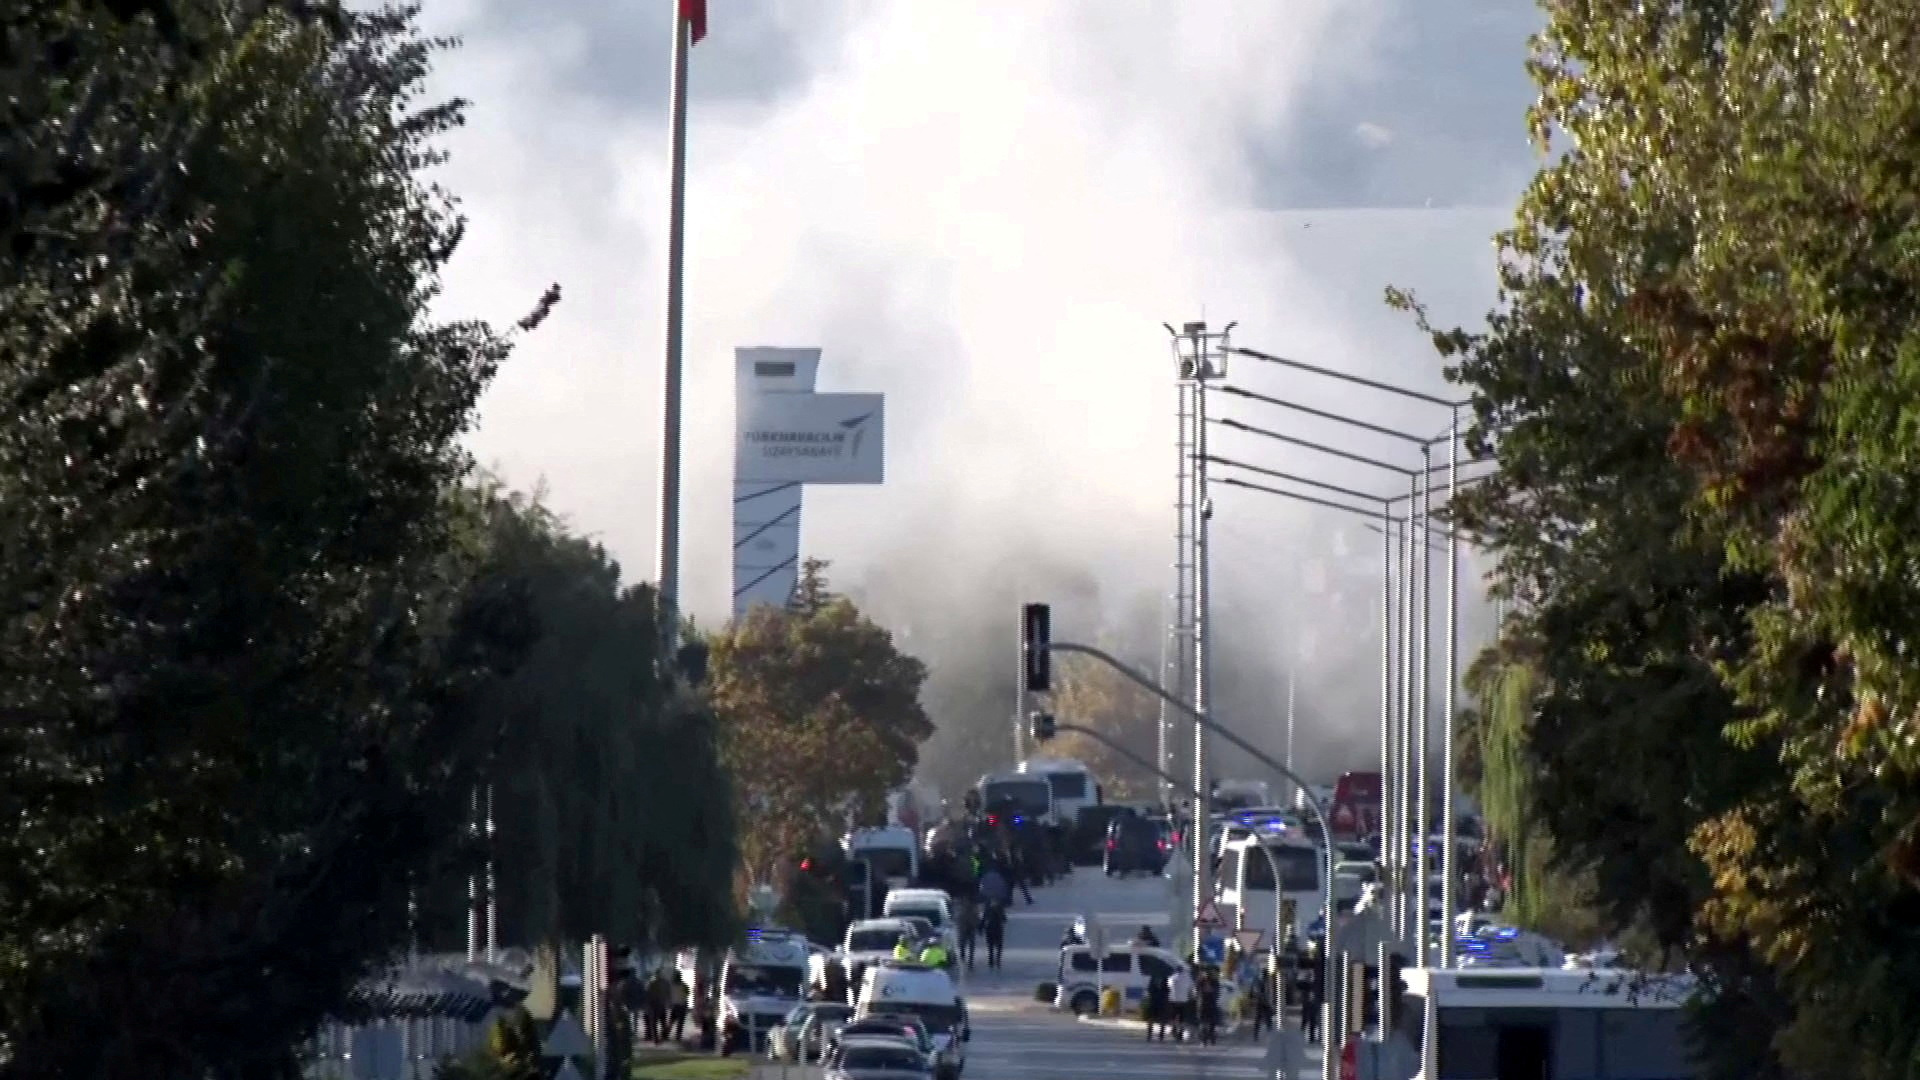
(1041, 726)
(1036, 639)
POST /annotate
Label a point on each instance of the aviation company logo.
(812, 439)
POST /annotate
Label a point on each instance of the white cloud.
(1372, 134)
(985, 210)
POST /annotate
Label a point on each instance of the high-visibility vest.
(902, 951)
(934, 955)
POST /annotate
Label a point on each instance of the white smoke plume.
(987, 210)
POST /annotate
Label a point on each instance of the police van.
(760, 983)
(928, 994)
(1606, 1025)
(1085, 973)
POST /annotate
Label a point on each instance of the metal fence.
(397, 1048)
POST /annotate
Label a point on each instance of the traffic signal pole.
(1036, 647)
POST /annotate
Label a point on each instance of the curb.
(1124, 1023)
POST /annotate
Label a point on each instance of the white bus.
(1072, 785)
(1248, 896)
(1548, 1023)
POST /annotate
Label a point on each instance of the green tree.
(239, 657)
(612, 812)
(1696, 373)
(821, 717)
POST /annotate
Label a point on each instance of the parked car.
(1087, 840)
(1135, 846)
(807, 1032)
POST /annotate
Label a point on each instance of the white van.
(932, 905)
(1127, 968)
(868, 943)
(893, 853)
(1070, 784)
(1247, 895)
(927, 994)
(760, 983)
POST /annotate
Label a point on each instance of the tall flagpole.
(676, 259)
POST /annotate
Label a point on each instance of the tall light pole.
(1448, 942)
(683, 33)
(1202, 357)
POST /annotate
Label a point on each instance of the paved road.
(1017, 1038)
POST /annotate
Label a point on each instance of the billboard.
(790, 438)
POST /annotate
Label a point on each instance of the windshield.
(744, 980)
(1068, 785)
(1030, 797)
(1299, 868)
(916, 911)
(882, 1059)
(872, 940)
(939, 1019)
(887, 862)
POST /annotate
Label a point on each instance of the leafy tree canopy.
(612, 813)
(240, 658)
(1091, 694)
(821, 717)
(1699, 375)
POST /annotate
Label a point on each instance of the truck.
(1355, 810)
(1071, 785)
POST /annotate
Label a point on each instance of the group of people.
(663, 1005)
(1178, 1004)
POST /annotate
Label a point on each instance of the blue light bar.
(1506, 933)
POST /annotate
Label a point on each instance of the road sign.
(1213, 949)
(567, 1039)
(1209, 917)
(1249, 940)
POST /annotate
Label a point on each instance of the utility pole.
(1202, 357)
(1177, 646)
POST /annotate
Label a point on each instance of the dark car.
(1087, 841)
(1134, 846)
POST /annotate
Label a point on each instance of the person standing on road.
(1157, 1006)
(1019, 870)
(966, 926)
(1260, 1003)
(1179, 1002)
(995, 927)
(993, 887)
(1208, 1007)
(1312, 992)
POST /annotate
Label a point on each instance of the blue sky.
(984, 210)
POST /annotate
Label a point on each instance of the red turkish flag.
(695, 14)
